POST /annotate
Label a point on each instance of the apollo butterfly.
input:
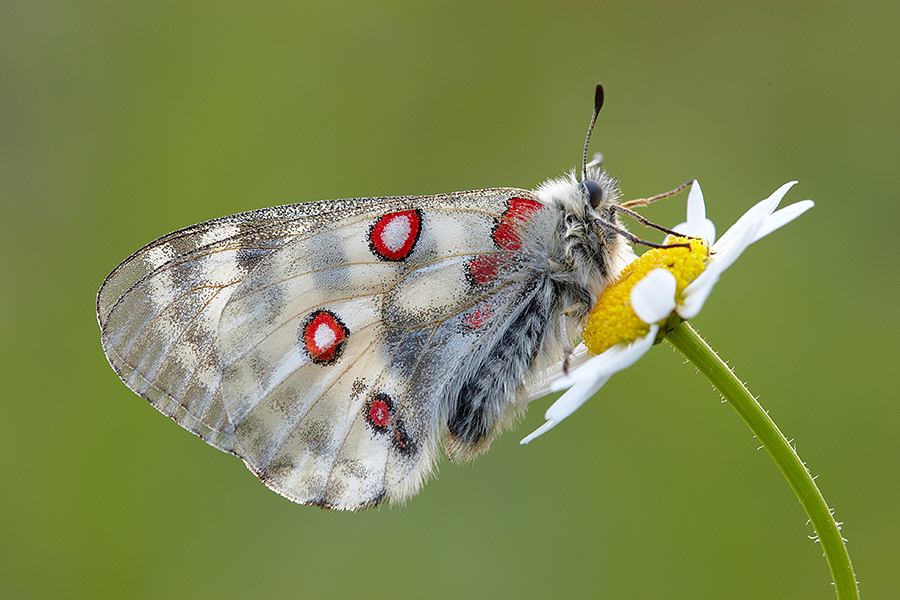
(335, 346)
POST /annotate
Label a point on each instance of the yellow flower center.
(613, 321)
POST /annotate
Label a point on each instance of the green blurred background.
(122, 121)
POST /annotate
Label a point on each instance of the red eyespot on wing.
(478, 316)
(506, 233)
(393, 236)
(324, 336)
(381, 417)
(379, 412)
(482, 269)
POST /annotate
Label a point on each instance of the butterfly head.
(587, 249)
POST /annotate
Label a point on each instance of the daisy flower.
(654, 293)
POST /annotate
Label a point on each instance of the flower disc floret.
(613, 320)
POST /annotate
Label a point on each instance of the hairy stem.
(696, 350)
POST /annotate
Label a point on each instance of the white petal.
(697, 223)
(698, 291)
(753, 217)
(724, 257)
(695, 295)
(653, 297)
(589, 378)
(705, 230)
(610, 362)
(572, 400)
(547, 426)
(738, 237)
(577, 395)
(617, 358)
(782, 217)
(541, 386)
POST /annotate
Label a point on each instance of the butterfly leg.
(578, 309)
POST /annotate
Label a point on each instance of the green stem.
(696, 350)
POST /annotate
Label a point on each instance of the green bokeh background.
(121, 121)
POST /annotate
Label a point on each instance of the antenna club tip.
(598, 102)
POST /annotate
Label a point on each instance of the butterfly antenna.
(598, 103)
(645, 201)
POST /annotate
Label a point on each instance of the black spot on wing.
(247, 258)
(401, 440)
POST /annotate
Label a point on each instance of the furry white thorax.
(588, 254)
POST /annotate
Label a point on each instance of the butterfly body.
(334, 346)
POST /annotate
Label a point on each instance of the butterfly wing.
(159, 312)
(326, 343)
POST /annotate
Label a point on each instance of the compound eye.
(593, 191)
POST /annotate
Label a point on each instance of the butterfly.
(336, 346)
